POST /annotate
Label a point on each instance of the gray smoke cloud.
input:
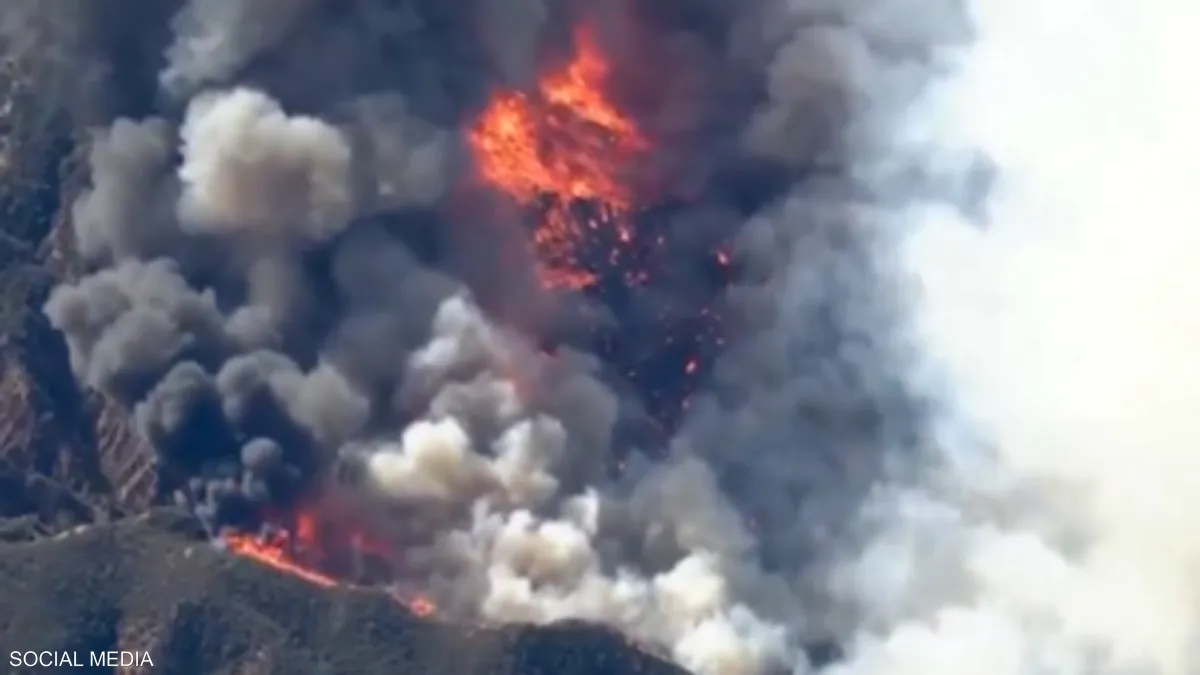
(213, 40)
(127, 213)
(127, 325)
(410, 160)
(866, 466)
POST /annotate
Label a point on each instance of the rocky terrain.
(66, 454)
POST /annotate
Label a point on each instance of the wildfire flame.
(566, 151)
(287, 551)
(560, 146)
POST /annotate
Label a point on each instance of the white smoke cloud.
(509, 545)
(1059, 534)
(249, 167)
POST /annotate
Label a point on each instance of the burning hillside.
(568, 157)
(284, 281)
(386, 293)
(308, 544)
(336, 405)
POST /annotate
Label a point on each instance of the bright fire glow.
(273, 551)
(563, 145)
(288, 551)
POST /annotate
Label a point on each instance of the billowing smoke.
(1056, 532)
(247, 166)
(944, 432)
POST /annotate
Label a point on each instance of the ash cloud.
(275, 288)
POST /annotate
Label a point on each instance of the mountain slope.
(153, 583)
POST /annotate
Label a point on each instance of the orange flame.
(422, 606)
(273, 552)
(565, 143)
(285, 552)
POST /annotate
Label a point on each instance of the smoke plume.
(892, 377)
(247, 166)
(1054, 533)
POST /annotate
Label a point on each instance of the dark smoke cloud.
(298, 288)
(183, 417)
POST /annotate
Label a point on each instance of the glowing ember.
(562, 146)
(422, 606)
(291, 554)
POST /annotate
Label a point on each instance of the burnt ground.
(151, 582)
(88, 558)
